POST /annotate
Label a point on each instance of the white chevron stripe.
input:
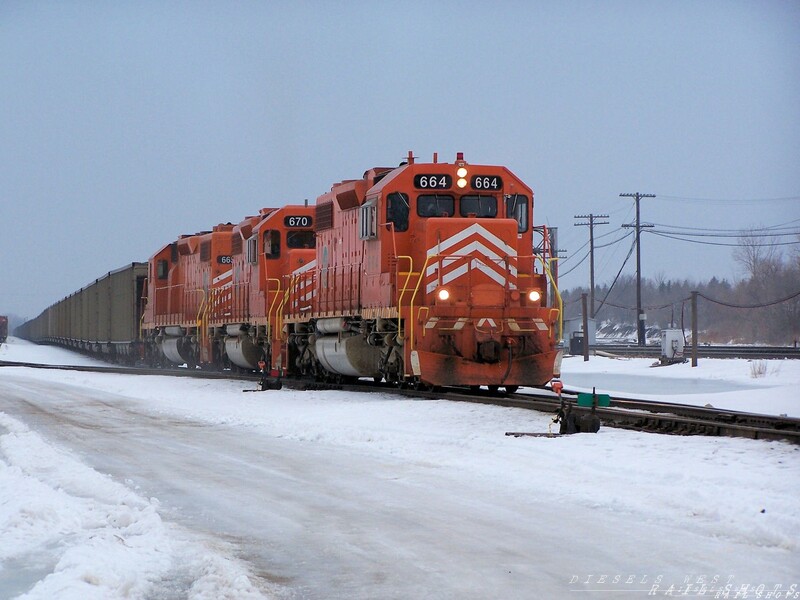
(305, 289)
(474, 229)
(541, 325)
(431, 323)
(447, 278)
(470, 248)
(305, 267)
(450, 276)
(495, 267)
(225, 275)
(459, 325)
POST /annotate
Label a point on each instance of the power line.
(730, 245)
(575, 266)
(598, 237)
(729, 200)
(730, 235)
(597, 247)
(613, 283)
(661, 307)
(609, 259)
(740, 231)
(762, 305)
(616, 241)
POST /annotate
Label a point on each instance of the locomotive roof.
(386, 178)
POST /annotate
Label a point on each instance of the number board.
(486, 182)
(224, 259)
(298, 221)
(433, 182)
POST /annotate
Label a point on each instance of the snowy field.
(770, 387)
(125, 486)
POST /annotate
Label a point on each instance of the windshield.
(435, 205)
(478, 205)
(300, 239)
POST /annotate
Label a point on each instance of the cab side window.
(517, 209)
(252, 250)
(368, 220)
(397, 210)
(272, 244)
(162, 269)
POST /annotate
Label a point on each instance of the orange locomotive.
(421, 275)
(425, 275)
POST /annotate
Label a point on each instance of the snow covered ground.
(125, 486)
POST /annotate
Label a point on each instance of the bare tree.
(755, 254)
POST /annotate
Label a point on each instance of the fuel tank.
(242, 351)
(175, 351)
(347, 356)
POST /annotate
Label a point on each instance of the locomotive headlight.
(534, 295)
(462, 183)
(461, 172)
(443, 294)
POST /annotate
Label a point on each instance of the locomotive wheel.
(493, 389)
(510, 389)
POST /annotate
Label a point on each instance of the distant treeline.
(762, 308)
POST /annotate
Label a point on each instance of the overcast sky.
(126, 124)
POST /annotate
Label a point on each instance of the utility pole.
(695, 340)
(640, 316)
(591, 225)
(585, 329)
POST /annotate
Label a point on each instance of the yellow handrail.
(200, 306)
(202, 319)
(405, 286)
(272, 305)
(414, 295)
(279, 313)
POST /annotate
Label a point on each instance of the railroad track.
(638, 415)
(703, 351)
(684, 419)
